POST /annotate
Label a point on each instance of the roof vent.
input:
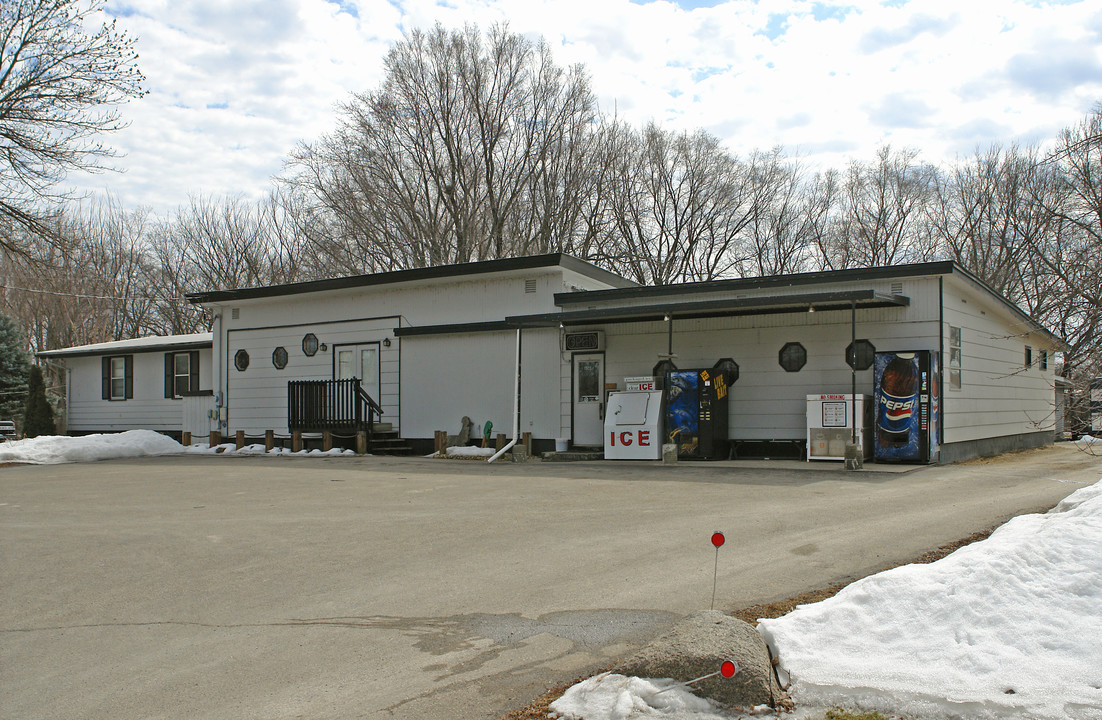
(235, 314)
(897, 288)
(530, 286)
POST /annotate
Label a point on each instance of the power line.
(84, 296)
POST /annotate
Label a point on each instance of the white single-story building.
(133, 384)
(433, 345)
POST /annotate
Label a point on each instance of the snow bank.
(465, 451)
(53, 449)
(1007, 627)
(615, 697)
(256, 449)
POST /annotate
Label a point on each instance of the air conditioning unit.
(588, 340)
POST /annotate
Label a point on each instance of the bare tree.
(879, 217)
(677, 204)
(60, 88)
(473, 148)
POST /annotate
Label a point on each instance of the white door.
(589, 398)
(361, 361)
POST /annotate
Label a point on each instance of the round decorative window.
(863, 357)
(792, 357)
(241, 360)
(279, 357)
(729, 368)
(310, 344)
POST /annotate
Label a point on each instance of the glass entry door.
(360, 361)
(589, 384)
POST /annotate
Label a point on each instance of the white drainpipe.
(516, 408)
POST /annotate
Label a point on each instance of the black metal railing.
(333, 405)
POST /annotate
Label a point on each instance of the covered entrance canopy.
(728, 307)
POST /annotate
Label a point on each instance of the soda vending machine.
(696, 413)
(907, 406)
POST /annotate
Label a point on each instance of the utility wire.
(87, 297)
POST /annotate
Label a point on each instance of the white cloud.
(234, 86)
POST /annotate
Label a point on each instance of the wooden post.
(326, 441)
(215, 438)
(500, 441)
(361, 442)
(296, 441)
(239, 439)
(269, 440)
(527, 440)
(185, 440)
(439, 440)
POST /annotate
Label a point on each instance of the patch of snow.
(54, 449)
(1004, 628)
(616, 697)
(467, 451)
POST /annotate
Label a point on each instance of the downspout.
(516, 408)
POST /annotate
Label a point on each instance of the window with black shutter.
(181, 373)
(118, 377)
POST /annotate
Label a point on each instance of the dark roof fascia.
(756, 283)
(450, 328)
(118, 352)
(414, 274)
(822, 302)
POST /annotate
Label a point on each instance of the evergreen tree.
(14, 365)
(38, 419)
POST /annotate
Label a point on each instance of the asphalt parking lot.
(244, 587)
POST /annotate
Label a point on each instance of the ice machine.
(633, 422)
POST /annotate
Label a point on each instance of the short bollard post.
(185, 440)
(239, 439)
(326, 441)
(361, 442)
(215, 438)
(269, 440)
(499, 441)
(296, 441)
(527, 440)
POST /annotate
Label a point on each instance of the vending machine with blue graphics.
(696, 413)
(908, 404)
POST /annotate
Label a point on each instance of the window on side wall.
(1044, 359)
(118, 377)
(954, 363)
(1028, 360)
(181, 373)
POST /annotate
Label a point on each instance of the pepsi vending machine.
(907, 406)
(696, 413)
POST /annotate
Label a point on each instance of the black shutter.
(170, 374)
(129, 376)
(106, 365)
(193, 366)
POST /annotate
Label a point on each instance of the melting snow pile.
(1010, 627)
(615, 697)
(469, 452)
(53, 449)
(257, 449)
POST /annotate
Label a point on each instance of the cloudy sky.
(234, 85)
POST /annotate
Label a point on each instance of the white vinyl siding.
(147, 409)
(999, 395)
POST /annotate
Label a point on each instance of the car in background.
(7, 431)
